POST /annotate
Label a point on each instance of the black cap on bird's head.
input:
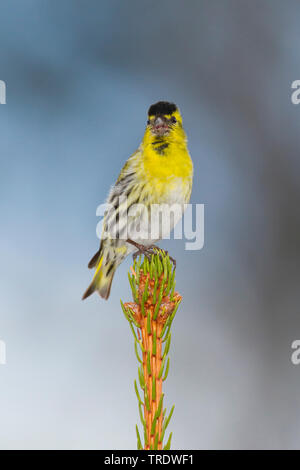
(161, 117)
(162, 107)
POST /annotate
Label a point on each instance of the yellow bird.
(157, 177)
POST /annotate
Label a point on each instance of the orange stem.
(156, 327)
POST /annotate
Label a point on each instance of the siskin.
(156, 177)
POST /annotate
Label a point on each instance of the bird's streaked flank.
(158, 174)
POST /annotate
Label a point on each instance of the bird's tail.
(102, 279)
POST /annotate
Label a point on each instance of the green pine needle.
(153, 426)
(137, 353)
(156, 441)
(148, 363)
(124, 310)
(162, 367)
(149, 323)
(145, 293)
(143, 306)
(169, 417)
(159, 408)
(154, 343)
(139, 444)
(141, 377)
(168, 444)
(137, 393)
(166, 370)
(167, 346)
(147, 400)
(155, 291)
(142, 347)
(141, 416)
(164, 328)
(153, 388)
(133, 332)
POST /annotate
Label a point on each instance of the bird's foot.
(141, 250)
(148, 251)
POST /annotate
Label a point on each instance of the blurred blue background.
(80, 76)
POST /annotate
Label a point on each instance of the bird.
(159, 175)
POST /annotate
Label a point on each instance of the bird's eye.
(173, 119)
(148, 122)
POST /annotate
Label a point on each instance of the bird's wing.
(127, 191)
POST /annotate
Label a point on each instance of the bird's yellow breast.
(167, 168)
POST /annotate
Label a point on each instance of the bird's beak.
(160, 126)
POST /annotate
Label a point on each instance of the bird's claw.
(148, 251)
